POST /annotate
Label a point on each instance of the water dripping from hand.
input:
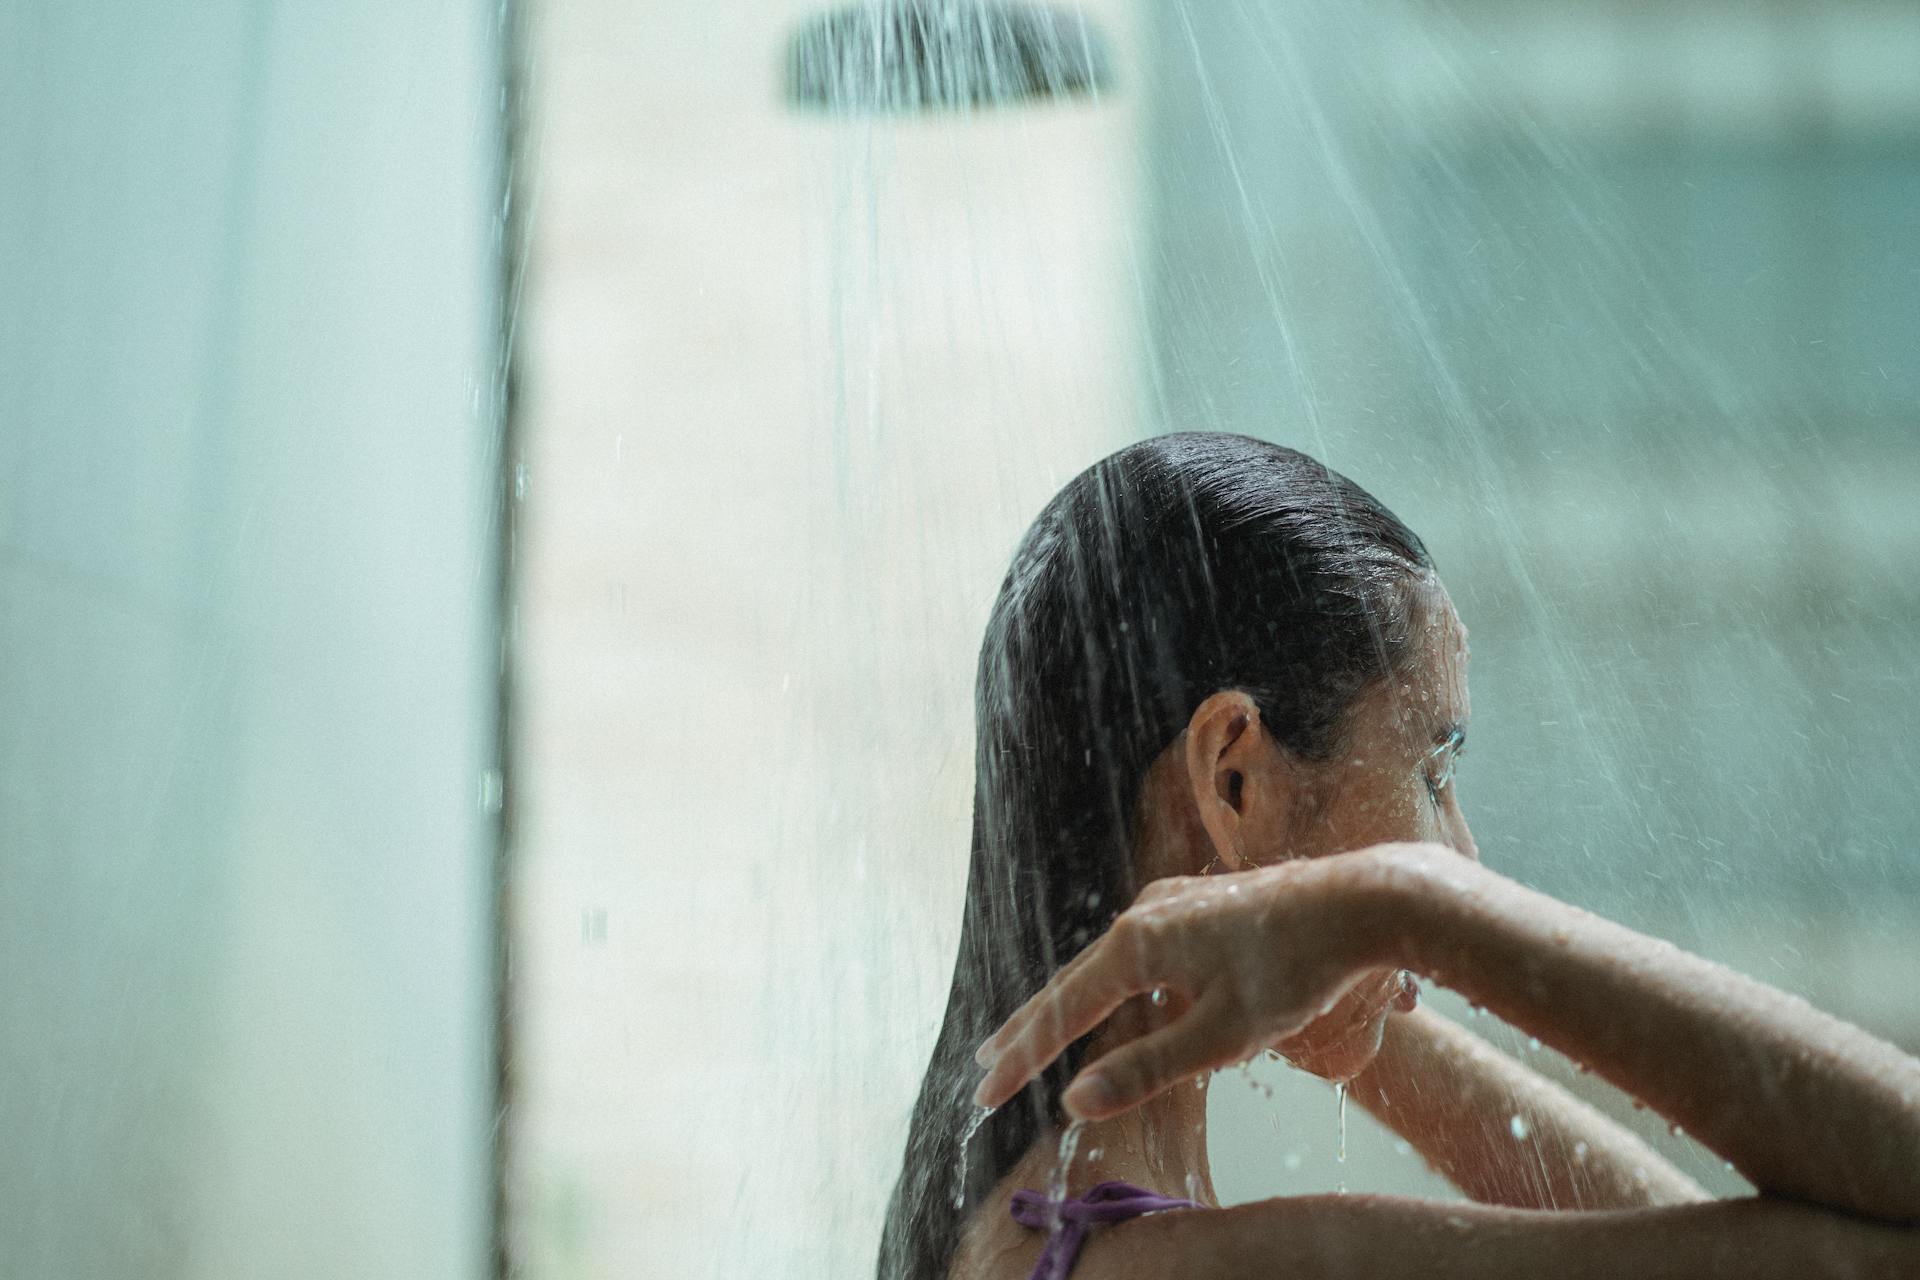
(1057, 1180)
(1340, 1104)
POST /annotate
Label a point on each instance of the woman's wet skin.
(1393, 781)
(1830, 1151)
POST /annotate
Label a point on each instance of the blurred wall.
(247, 569)
(1616, 305)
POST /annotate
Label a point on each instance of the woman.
(1220, 700)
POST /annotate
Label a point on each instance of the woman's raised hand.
(1246, 960)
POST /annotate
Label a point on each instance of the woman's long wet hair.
(1176, 568)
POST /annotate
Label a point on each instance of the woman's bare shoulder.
(992, 1245)
(1244, 1240)
(1347, 1235)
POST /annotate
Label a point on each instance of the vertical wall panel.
(247, 569)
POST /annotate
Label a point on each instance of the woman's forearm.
(1505, 1134)
(1804, 1105)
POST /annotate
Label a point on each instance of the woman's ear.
(1239, 782)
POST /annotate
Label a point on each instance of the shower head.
(899, 57)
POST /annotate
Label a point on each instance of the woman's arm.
(1806, 1106)
(1370, 1237)
(1505, 1134)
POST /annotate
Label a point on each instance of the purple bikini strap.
(1108, 1202)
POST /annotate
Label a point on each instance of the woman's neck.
(1160, 1145)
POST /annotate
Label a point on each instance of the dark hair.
(1175, 568)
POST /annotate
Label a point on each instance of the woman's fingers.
(1207, 1037)
(1122, 952)
(1070, 1013)
(994, 1045)
(1074, 1003)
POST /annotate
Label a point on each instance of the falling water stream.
(1356, 244)
(979, 1117)
(1340, 1106)
(1626, 339)
(1614, 303)
(1063, 1164)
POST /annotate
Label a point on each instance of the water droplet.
(1533, 1043)
(1096, 1153)
(1159, 996)
(1581, 1068)
(593, 925)
(1340, 1102)
(1580, 1151)
(1676, 1131)
(493, 790)
(1729, 1165)
(1639, 1105)
(1519, 1127)
(1475, 1011)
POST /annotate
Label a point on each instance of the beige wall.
(794, 388)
